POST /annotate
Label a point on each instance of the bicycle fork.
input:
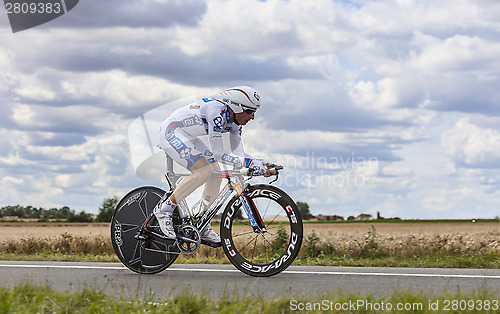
(250, 209)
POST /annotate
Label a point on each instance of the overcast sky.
(389, 106)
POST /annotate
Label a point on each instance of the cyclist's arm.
(237, 145)
(215, 122)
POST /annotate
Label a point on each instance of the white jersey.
(180, 133)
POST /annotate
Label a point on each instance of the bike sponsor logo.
(266, 193)
(196, 120)
(170, 136)
(258, 192)
(177, 143)
(231, 251)
(278, 263)
(227, 221)
(118, 234)
(231, 159)
(228, 158)
(217, 124)
(293, 218)
(185, 153)
(134, 198)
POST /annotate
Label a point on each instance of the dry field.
(400, 239)
(405, 239)
(9, 231)
(18, 230)
(347, 239)
(326, 230)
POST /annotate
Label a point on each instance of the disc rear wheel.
(140, 252)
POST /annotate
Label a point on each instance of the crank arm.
(152, 233)
(141, 237)
(163, 252)
(186, 239)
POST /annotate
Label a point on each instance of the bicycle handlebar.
(249, 171)
(246, 172)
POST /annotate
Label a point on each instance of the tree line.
(106, 211)
(64, 213)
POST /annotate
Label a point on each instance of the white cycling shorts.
(182, 147)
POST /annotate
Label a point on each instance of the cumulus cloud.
(472, 146)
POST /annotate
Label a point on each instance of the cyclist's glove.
(258, 167)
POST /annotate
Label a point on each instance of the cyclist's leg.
(213, 183)
(189, 152)
(212, 186)
(211, 189)
(201, 171)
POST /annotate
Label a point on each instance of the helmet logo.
(256, 96)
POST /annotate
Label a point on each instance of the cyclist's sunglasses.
(249, 111)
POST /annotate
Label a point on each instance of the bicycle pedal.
(211, 244)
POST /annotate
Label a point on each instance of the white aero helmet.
(239, 98)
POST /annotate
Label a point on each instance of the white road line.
(299, 272)
(64, 266)
(392, 274)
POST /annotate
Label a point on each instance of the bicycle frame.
(230, 190)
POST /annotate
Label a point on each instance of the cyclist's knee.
(215, 166)
(202, 171)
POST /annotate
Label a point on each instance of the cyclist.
(180, 135)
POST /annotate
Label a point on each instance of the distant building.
(364, 217)
(329, 217)
(10, 217)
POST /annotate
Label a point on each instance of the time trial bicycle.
(261, 228)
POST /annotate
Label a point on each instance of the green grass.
(28, 298)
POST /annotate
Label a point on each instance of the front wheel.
(265, 253)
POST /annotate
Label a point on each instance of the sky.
(387, 106)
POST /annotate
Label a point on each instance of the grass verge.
(484, 261)
(28, 298)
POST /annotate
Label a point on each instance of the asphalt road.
(215, 280)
